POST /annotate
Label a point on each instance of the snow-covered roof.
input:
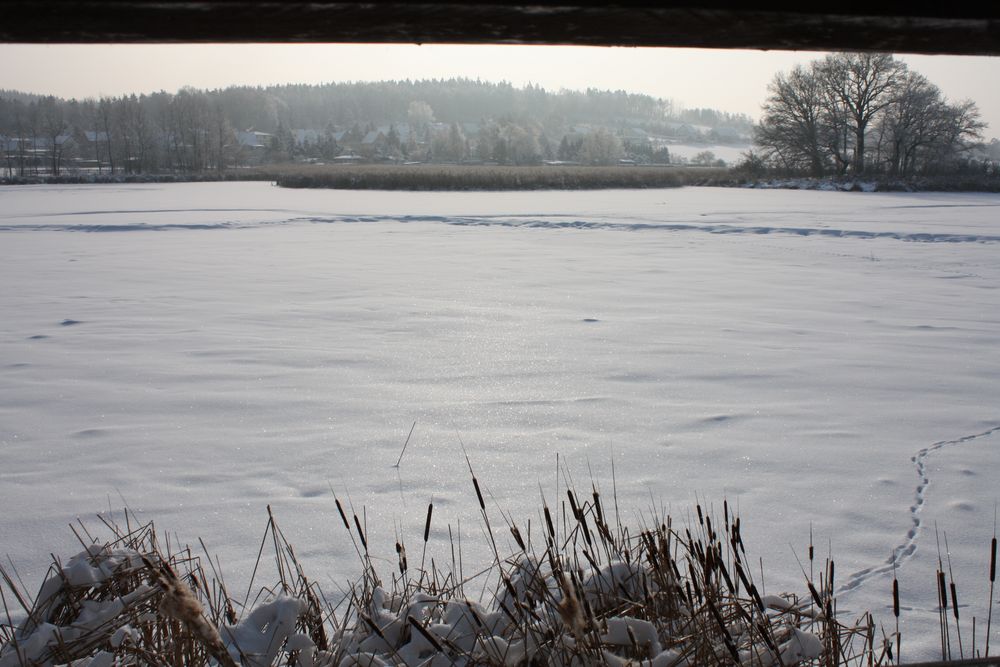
(727, 133)
(46, 142)
(253, 138)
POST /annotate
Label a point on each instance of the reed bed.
(493, 177)
(580, 588)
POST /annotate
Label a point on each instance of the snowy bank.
(880, 184)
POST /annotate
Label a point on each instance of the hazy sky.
(725, 80)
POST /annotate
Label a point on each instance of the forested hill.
(456, 100)
(271, 108)
(453, 120)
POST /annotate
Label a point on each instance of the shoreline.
(494, 178)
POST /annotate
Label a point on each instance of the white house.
(253, 139)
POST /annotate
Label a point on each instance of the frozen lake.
(199, 351)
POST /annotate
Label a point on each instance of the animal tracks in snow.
(902, 552)
(525, 221)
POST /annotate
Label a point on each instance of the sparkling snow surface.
(201, 351)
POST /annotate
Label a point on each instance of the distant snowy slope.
(727, 153)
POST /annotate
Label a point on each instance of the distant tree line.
(197, 131)
(188, 132)
(863, 113)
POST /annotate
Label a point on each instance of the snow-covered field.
(729, 154)
(201, 351)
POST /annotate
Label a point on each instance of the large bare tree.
(860, 111)
(791, 127)
(864, 84)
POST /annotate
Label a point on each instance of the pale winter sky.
(726, 80)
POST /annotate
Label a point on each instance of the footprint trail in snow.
(903, 551)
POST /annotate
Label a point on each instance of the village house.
(253, 139)
(374, 144)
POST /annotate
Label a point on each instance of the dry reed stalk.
(179, 603)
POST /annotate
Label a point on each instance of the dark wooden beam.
(914, 27)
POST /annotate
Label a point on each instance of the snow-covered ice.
(199, 351)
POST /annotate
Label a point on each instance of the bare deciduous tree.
(791, 128)
(53, 125)
(821, 118)
(865, 84)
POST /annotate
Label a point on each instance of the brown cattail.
(517, 537)
(572, 504)
(726, 635)
(954, 600)
(993, 560)
(942, 591)
(427, 524)
(475, 617)
(895, 597)
(343, 516)
(401, 550)
(815, 594)
(479, 494)
(361, 533)
(548, 522)
(426, 635)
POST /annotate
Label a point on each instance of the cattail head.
(954, 600)
(942, 591)
(517, 537)
(993, 560)
(479, 494)
(343, 517)
(401, 551)
(597, 506)
(427, 523)
(361, 533)
(572, 504)
(895, 597)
